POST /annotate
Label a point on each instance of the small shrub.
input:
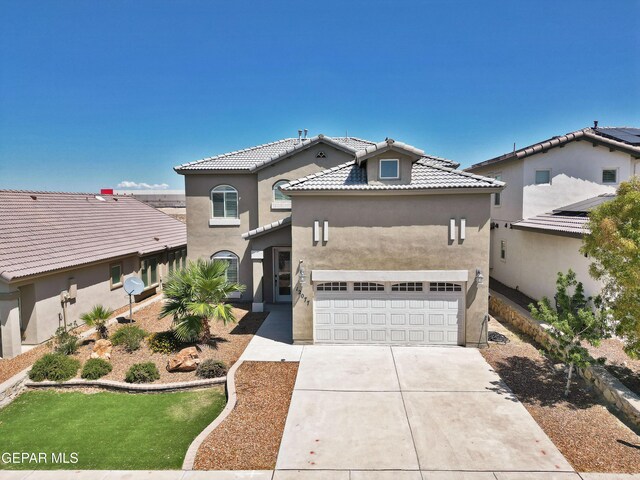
(129, 336)
(211, 368)
(98, 317)
(95, 368)
(164, 342)
(142, 373)
(65, 342)
(54, 366)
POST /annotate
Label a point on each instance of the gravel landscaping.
(249, 438)
(591, 437)
(228, 343)
(618, 363)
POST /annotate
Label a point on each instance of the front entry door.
(282, 274)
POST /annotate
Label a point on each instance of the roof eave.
(548, 231)
(405, 191)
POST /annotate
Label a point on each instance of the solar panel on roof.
(627, 135)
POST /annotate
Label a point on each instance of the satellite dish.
(133, 286)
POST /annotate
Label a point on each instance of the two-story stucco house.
(370, 242)
(538, 221)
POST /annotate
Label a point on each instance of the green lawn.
(107, 430)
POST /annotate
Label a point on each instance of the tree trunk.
(206, 333)
(566, 388)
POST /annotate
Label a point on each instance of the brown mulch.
(249, 438)
(228, 343)
(618, 362)
(591, 437)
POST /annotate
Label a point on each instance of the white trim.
(316, 231)
(257, 254)
(452, 229)
(277, 205)
(390, 275)
(397, 162)
(463, 228)
(224, 221)
(325, 231)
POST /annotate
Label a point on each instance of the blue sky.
(93, 93)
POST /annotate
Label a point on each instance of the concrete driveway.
(436, 410)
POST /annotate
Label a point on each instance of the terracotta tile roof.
(424, 175)
(600, 135)
(251, 159)
(46, 231)
(283, 222)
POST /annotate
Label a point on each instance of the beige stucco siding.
(204, 240)
(385, 232)
(297, 166)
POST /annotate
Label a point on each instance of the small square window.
(543, 177)
(610, 175)
(503, 250)
(389, 169)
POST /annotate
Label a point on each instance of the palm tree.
(98, 317)
(195, 295)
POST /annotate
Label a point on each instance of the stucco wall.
(576, 174)
(534, 260)
(385, 232)
(93, 288)
(511, 172)
(204, 240)
(297, 166)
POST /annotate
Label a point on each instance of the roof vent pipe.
(306, 131)
(595, 124)
(299, 135)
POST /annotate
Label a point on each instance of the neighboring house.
(371, 242)
(78, 246)
(538, 220)
(171, 202)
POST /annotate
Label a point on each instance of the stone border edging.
(128, 387)
(613, 390)
(232, 398)
(12, 387)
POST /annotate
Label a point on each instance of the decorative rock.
(186, 360)
(102, 349)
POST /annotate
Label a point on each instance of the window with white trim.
(610, 175)
(407, 287)
(332, 287)
(278, 196)
(543, 177)
(444, 287)
(503, 250)
(497, 197)
(389, 169)
(224, 202)
(115, 270)
(368, 287)
(231, 274)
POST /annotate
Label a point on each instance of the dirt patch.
(228, 343)
(249, 438)
(591, 437)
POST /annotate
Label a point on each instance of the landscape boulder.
(186, 360)
(102, 349)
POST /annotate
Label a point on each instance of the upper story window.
(321, 155)
(610, 175)
(543, 177)
(389, 169)
(497, 197)
(278, 196)
(224, 200)
(231, 273)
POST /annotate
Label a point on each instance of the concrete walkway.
(434, 412)
(273, 340)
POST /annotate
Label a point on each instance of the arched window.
(232, 269)
(224, 201)
(278, 196)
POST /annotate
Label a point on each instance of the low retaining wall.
(128, 387)
(611, 388)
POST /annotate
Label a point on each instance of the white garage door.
(389, 313)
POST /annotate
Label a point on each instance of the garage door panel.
(389, 318)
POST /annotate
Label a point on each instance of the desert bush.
(95, 368)
(98, 317)
(164, 342)
(129, 336)
(211, 368)
(65, 342)
(142, 373)
(54, 366)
